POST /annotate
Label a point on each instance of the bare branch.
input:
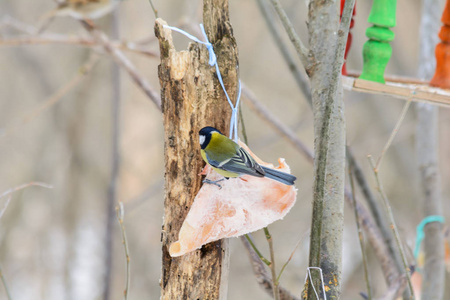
(302, 51)
(393, 134)
(112, 188)
(5, 285)
(360, 234)
(300, 78)
(124, 62)
(375, 237)
(155, 11)
(396, 288)
(387, 238)
(71, 40)
(275, 123)
(262, 277)
(428, 161)
(15, 189)
(30, 38)
(22, 186)
(80, 74)
(5, 206)
(393, 226)
(329, 134)
(275, 289)
(120, 215)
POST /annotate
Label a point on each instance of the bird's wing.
(241, 163)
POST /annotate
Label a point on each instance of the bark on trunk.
(191, 99)
(329, 133)
(427, 145)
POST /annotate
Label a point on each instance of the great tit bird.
(230, 160)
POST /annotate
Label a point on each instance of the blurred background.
(53, 242)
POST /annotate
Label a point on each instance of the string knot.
(213, 62)
(420, 234)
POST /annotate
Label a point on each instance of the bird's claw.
(215, 182)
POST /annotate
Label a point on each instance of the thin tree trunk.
(427, 145)
(115, 165)
(329, 133)
(191, 99)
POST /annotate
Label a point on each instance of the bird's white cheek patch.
(202, 139)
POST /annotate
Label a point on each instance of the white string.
(312, 283)
(213, 62)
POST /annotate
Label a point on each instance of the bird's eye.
(202, 139)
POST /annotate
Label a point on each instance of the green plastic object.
(377, 51)
(381, 34)
(376, 55)
(383, 13)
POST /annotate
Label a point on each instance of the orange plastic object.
(240, 206)
(441, 77)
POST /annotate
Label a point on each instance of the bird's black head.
(205, 135)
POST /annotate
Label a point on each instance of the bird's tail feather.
(279, 176)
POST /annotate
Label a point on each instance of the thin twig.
(276, 293)
(275, 123)
(25, 185)
(262, 277)
(5, 206)
(360, 234)
(146, 40)
(69, 40)
(248, 236)
(375, 237)
(80, 74)
(378, 214)
(300, 78)
(54, 38)
(5, 285)
(388, 209)
(271, 264)
(17, 25)
(241, 119)
(15, 189)
(115, 164)
(263, 259)
(395, 289)
(302, 51)
(394, 133)
(372, 231)
(155, 11)
(147, 194)
(124, 62)
(120, 216)
(290, 257)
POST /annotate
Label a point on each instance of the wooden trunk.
(191, 99)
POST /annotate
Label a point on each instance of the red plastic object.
(441, 77)
(349, 39)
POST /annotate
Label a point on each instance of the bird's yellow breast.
(220, 149)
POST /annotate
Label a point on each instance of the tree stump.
(191, 99)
